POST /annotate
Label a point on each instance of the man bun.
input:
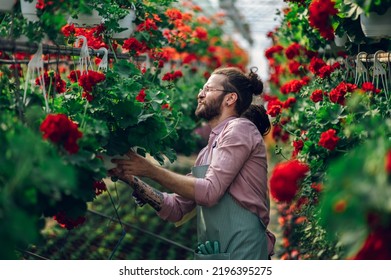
(256, 82)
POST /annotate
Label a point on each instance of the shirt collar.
(218, 128)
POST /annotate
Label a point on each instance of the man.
(229, 183)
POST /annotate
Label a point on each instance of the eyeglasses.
(208, 89)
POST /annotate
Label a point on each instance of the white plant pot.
(84, 20)
(126, 22)
(375, 25)
(7, 5)
(340, 41)
(29, 10)
(107, 160)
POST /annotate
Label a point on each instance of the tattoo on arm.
(145, 192)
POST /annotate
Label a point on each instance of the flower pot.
(107, 160)
(85, 20)
(29, 10)
(7, 5)
(375, 25)
(126, 22)
(340, 41)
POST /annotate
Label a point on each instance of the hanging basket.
(126, 22)
(340, 41)
(375, 25)
(85, 20)
(7, 5)
(29, 10)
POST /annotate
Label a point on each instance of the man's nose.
(201, 94)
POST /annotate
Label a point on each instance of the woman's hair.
(246, 86)
(257, 114)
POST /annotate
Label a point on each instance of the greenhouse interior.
(83, 82)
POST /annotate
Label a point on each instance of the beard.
(211, 110)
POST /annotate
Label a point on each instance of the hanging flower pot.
(29, 10)
(7, 5)
(375, 25)
(340, 41)
(86, 20)
(128, 24)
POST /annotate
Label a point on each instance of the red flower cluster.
(285, 179)
(293, 50)
(135, 46)
(68, 223)
(41, 4)
(329, 139)
(172, 76)
(293, 86)
(88, 80)
(368, 86)
(269, 53)
(74, 76)
(320, 14)
(295, 67)
(52, 81)
(337, 95)
(274, 107)
(298, 146)
(317, 95)
(388, 162)
(173, 14)
(99, 187)
(321, 69)
(200, 33)
(377, 246)
(141, 96)
(60, 129)
(147, 25)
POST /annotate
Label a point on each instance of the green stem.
(112, 49)
(168, 134)
(83, 122)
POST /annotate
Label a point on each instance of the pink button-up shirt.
(237, 156)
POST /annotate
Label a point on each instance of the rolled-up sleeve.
(175, 207)
(232, 150)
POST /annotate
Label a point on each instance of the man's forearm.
(148, 194)
(177, 183)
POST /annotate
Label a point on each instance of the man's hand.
(136, 165)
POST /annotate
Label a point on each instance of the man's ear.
(231, 98)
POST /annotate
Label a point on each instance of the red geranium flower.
(329, 139)
(134, 46)
(337, 95)
(285, 179)
(274, 107)
(52, 81)
(388, 162)
(320, 14)
(88, 80)
(141, 96)
(99, 187)
(66, 222)
(292, 50)
(368, 86)
(298, 146)
(377, 246)
(61, 130)
(317, 95)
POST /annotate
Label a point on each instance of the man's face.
(210, 98)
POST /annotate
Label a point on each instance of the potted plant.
(374, 15)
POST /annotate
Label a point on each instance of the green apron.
(241, 233)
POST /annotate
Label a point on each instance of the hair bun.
(256, 81)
